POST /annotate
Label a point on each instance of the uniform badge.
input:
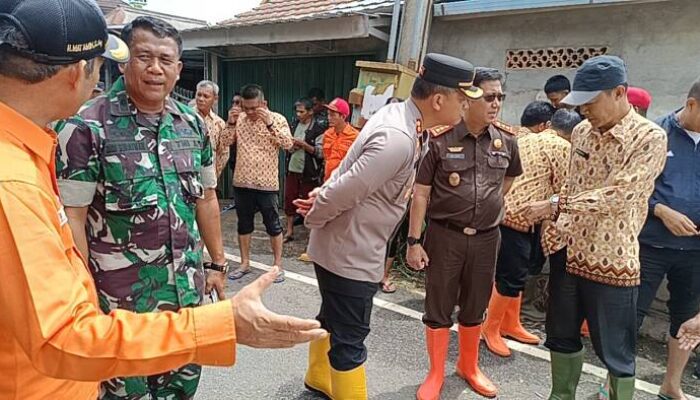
(455, 149)
(497, 144)
(454, 179)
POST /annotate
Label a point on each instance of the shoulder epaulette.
(509, 129)
(439, 130)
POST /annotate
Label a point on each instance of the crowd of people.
(106, 206)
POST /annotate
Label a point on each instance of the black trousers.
(610, 311)
(517, 256)
(249, 202)
(682, 269)
(346, 307)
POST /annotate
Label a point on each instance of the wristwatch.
(412, 241)
(554, 200)
(216, 267)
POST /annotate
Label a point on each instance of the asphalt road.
(397, 360)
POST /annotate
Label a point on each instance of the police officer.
(354, 213)
(465, 175)
(137, 169)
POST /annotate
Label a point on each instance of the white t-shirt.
(694, 135)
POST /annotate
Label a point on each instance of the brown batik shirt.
(604, 202)
(545, 160)
(215, 128)
(257, 151)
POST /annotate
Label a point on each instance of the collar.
(414, 115)
(619, 131)
(38, 140)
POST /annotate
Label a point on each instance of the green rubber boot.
(621, 388)
(566, 371)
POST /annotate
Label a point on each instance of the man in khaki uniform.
(461, 184)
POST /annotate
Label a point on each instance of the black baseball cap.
(451, 72)
(594, 76)
(61, 32)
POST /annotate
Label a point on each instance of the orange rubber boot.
(491, 330)
(437, 341)
(584, 329)
(511, 326)
(468, 362)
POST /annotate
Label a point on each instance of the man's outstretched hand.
(256, 326)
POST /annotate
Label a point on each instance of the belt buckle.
(469, 231)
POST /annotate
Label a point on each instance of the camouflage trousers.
(179, 384)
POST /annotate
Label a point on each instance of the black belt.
(462, 229)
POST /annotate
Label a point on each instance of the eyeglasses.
(490, 98)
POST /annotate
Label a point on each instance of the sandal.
(280, 277)
(239, 273)
(388, 287)
(288, 239)
(304, 257)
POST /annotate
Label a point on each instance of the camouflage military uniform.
(140, 178)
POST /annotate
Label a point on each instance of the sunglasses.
(490, 98)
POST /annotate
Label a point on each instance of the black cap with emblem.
(452, 72)
(60, 32)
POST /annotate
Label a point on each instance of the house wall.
(659, 42)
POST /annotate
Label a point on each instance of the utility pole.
(415, 28)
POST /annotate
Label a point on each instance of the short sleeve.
(78, 165)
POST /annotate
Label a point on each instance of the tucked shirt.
(358, 208)
(257, 151)
(140, 178)
(55, 342)
(215, 127)
(335, 147)
(545, 161)
(296, 160)
(678, 187)
(604, 201)
(467, 174)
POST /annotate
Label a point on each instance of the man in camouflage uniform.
(137, 176)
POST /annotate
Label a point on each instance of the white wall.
(660, 43)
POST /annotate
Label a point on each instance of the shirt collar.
(619, 131)
(37, 139)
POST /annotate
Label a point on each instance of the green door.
(284, 81)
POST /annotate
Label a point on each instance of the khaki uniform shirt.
(604, 202)
(359, 207)
(467, 173)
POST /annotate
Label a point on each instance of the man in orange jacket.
(339, 137)
(54, 340)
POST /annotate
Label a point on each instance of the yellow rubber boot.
(318, 374)
(349, 385)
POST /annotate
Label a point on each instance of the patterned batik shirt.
(545, 159)
(215, 127)
(604, 201)
(140, 178)
(258, 151)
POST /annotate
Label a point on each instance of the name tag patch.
(455, 156)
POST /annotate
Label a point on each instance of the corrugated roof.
(278, 11)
